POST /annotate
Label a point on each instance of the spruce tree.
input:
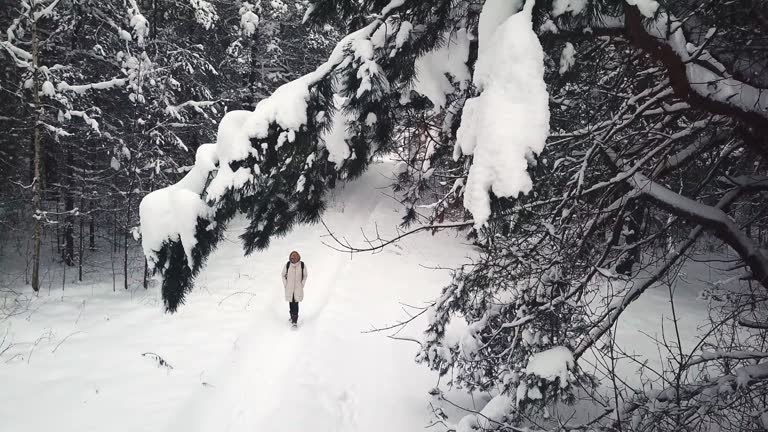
(131, 91)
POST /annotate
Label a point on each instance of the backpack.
(288, 265)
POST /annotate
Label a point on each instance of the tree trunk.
(114, 233)
(253, 72)
(154, 18)
(146, 273)
(633, 224)
(91, 231)
(58, 221)
(69, 218)
(38, 161)
(126, 234)
(80, 248)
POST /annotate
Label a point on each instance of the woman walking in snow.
(294, 278)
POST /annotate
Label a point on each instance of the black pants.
(294, 308)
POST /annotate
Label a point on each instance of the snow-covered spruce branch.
(697, 78)
(712, 217)
(173, 110)
(574, 292)
(614, 126)
(708, 356)
(608, 318)
(693, 77)
(748, 182)
(679, 158)
(486, 419)
(182, 224)
(671, 162)
(63, 86)
(696, 399)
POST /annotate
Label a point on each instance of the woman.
(294, 278)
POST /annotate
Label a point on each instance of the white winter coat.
(293, 282)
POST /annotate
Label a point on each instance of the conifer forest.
(384, 215)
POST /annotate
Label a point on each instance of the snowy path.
(286, 379)
(237, 365)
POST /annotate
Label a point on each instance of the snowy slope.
(76, 362)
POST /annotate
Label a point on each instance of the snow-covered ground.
(76, 361)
